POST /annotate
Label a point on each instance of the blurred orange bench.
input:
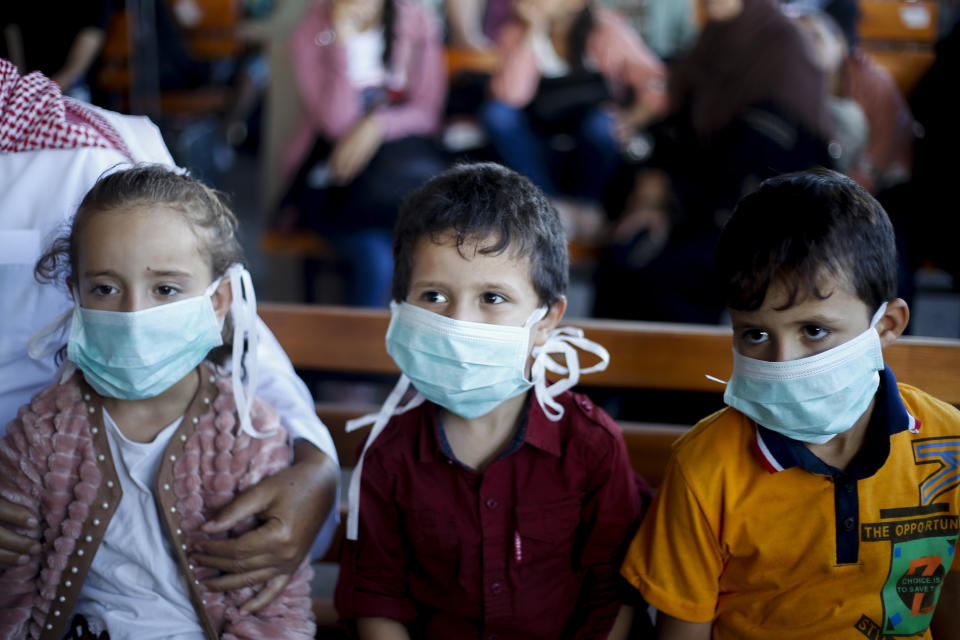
(900, 35)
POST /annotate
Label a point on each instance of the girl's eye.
(103, 290)
(755, 336)
(813, 332)
(167, 290)
(433, 297)
(493, 298)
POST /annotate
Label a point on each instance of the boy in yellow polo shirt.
(824, 501)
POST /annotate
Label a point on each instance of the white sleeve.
(282, 389)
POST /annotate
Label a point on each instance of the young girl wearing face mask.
(145, 434)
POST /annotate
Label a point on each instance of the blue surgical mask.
(811, 399)
(140, 354)
(468, 368)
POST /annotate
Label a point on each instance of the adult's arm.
(295, 505)
(14, 41)
(465, 19)
(16, 548)
(626, 62)
(20, 481)
(517, 76)
(82, 53)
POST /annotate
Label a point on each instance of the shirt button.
(586, 405)
(496, 588)
(491, 503)
(848, 524)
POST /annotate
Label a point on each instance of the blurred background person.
(666, 26)
(574, 83)
(60, 39)
(372, 80)
(747, 102)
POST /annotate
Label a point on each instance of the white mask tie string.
(379, 421)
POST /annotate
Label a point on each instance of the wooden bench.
(644, 356)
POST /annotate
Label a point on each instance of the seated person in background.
(123, 461)
(59, 39)
(568, 67)
(668, 27)
(747, 102)
(371, 75)
(873, 126)
(823, 502)
(44, 135)
(474, 24)
(478, 508)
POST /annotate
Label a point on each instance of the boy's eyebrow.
(818, 318)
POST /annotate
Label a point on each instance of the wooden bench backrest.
(899, 35)
(643, 355)
(899, 21)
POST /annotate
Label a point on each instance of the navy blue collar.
(778, 452)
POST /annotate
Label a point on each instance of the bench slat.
(644, 355)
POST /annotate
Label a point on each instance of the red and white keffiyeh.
(35, 115)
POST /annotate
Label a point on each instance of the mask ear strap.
(48, 339)
(563, 341)
(243, 311)
(379, 420)
(878, 315)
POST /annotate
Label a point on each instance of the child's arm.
(946, 619)
(670, 628)
(372, 586)
(676, 560)
(381, 629)
(610, 509)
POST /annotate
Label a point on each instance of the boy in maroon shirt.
(481, 510)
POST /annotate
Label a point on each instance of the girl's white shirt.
(365, 59)
(134, 588)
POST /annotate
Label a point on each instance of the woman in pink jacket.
(372, 78)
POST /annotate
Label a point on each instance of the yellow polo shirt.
(751, 531)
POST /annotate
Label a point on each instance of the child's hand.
(13, 547)
(292, 504)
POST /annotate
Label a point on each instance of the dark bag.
(561, 102)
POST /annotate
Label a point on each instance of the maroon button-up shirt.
(529, 548)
